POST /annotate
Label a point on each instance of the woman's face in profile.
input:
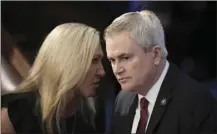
(96, 71)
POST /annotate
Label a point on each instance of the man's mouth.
(122, 80)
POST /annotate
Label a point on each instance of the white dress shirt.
(151, 96)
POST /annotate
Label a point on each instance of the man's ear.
(157, 54)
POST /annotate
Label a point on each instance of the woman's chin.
(91, 93)
(88, 92)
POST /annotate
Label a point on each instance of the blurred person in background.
(156, 96)
(58, 94)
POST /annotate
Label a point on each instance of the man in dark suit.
(156, 97)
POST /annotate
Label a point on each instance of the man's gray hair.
(144, 27)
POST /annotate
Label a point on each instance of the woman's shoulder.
(19, 100)
(20, 107)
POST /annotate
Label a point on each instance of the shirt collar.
(152, 94)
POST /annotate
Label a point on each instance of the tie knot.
(143, 103)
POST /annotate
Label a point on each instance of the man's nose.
(117, 69)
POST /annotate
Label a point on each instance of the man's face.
(133, 67)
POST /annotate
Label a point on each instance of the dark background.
(190, 34)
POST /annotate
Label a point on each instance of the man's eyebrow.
(122, 55)
(119, 56)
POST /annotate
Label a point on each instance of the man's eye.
(125, 58)
(111, 60)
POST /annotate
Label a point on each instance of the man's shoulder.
(124, 96)
(124, 100)
(192, 93)
(186, 85)
(188, 91)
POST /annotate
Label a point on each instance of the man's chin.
(127, 88)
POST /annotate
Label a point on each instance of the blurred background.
(190, 29)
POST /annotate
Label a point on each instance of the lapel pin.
(163, 101)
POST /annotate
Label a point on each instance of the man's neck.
(158, 73)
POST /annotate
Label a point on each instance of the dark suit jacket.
(189, 108)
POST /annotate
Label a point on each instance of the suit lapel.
(163, 99)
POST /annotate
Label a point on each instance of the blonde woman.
(57, 95)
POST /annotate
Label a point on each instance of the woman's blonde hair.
(60, 66)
